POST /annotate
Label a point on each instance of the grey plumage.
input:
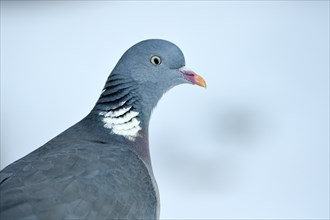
(100, 168)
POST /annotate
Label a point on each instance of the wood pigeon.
(100, 168)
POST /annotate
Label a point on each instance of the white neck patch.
(122, 122)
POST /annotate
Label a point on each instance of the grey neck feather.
(117, 93)
(125, 108)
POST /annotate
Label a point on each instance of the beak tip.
(202, 85)
(200, 81)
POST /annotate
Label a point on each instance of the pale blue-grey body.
(88, 171)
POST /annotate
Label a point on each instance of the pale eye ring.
(156, 60)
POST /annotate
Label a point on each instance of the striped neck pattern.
(118, 107)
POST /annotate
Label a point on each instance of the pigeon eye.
(155, 60)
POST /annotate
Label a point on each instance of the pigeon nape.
(100, 167)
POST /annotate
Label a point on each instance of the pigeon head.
(156, 65)
(142, 75)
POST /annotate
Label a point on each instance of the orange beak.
(192, 77)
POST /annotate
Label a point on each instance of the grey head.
(142, 75)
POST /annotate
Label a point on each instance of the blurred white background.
(253, 145)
